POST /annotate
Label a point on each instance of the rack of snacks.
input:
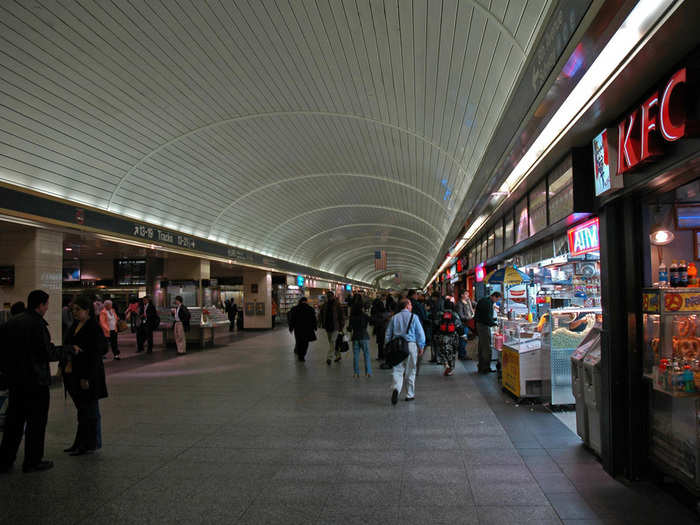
(671, 321)
(671, 361)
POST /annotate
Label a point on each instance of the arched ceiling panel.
(274, 126)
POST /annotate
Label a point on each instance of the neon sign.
(584, 238)
(480, 273)
(300, 281)
(662, 117)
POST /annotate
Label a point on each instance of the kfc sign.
(661, 118)
(584, 238)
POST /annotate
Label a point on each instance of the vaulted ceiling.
(316, 131)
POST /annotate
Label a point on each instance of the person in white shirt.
(181, 324)
(109, 324)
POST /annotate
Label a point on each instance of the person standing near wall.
(181, 325)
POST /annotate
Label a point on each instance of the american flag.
(380, 260)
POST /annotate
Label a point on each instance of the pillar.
(257, 289)
(188, 269)
(37, 256)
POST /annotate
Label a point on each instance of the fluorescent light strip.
(602, 72)
(599, 76)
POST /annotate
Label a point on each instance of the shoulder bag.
(396, 350)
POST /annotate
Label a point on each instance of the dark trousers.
(114, 342)
(86, 437)
(28, 405)
(144, 336)
(484, 334)
(231, 324)
(301, 347)
(273, 321)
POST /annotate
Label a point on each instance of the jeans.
(409, 367)
(357, 347)
(462, 351)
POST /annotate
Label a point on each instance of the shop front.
(648, 179)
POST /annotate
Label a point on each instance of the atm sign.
(584, 237)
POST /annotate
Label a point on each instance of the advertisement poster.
(604, 168)
(511, 370)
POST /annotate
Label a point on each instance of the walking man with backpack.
(406, 325)
(448, 332)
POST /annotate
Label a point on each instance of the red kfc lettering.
(650, 145)
(673, 115)
(628, 145)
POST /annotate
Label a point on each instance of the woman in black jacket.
(84, 376)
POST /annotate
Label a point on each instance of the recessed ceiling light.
(99, 253)
(69, 249)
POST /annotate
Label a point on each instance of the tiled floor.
(244, 434)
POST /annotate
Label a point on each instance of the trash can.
(591, 341)
(592, 395)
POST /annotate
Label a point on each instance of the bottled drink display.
(674, 275)
(682, 274)
(692, 274)
(663, 275)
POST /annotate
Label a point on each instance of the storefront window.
(508, 237)
(492, 244)
(521, 221)
(561, 196)
(538, 208)
(498, 232)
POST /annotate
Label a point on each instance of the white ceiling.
(317, 131)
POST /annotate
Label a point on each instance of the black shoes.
(410, 399)
(39, 467)
(70, 449)
(81, 452)
(394, 397)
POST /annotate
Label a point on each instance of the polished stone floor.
(244, 434)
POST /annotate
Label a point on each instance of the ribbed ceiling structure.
(316, 131)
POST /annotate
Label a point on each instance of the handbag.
(341, 342)
(396, 350)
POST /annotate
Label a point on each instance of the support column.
(257, 289)
(37, 256)
(186, 269)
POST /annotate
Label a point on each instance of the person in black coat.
(302, 321)
(149, 324)
(84, 376)
(231, 312)
(24, 360)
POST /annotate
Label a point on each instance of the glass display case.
(671, 354)
(671, 320)
(563, 330)
(204, 323)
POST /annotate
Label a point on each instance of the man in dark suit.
(149, 322)
(181, 324)
(27, 350)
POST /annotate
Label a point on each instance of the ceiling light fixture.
(69, 249)
(599, 76)
(610, 62)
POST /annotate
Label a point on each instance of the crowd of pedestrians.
(442, 323)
